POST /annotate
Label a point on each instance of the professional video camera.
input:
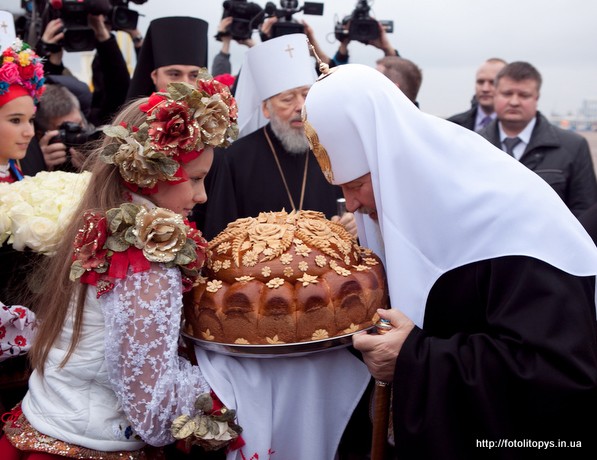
(78, 36)
(360, 25)
(74, 135)
(286, 25)
(246, 16)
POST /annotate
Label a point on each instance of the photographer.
(221, 63)
(108, 66)
(382, 42)
(49, 46)
(50, 149)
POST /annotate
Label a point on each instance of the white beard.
(292, 139)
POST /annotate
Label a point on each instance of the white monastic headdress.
(269, 68)
(445, 196)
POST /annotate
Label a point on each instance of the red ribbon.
(120, 262)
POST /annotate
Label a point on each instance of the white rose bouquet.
(35, 211)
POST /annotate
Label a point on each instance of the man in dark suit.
(562, 158)
(481, 111)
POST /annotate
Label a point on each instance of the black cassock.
(508, 351)
(244, 181)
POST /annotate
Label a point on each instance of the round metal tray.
(277, 350)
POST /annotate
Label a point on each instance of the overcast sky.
(448, 39)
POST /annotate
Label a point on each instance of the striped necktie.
(510, 143)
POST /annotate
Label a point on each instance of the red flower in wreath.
(212, 87)
(172, 128)
(90, 241)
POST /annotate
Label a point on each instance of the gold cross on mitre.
(289, 50)
(7, 29)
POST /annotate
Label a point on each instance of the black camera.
(286, 24)
(360, 26)
(74, 135)
(246, 16)
(78, 36)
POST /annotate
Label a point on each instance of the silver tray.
(276, 350)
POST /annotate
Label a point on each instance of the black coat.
(508, 350)
(466, 119)
(562, 158)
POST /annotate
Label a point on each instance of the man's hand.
(381, 350)
(96, 22)
(54, 154)
(53, 35)
(383, 42)
(266, 26)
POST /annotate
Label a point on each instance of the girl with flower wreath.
(21, 85)
(108, 378)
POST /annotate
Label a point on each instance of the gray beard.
(293, 140)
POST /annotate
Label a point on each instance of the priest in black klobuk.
(174, 48)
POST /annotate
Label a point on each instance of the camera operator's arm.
(383, 42)
(110, 74)
(311, 36)
(221, 63)
(50, 48)
(341, 56)
(265, 29)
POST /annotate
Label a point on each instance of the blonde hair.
(54, 292)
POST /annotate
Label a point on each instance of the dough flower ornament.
(181, 122)
(132, 236)
(212, 428)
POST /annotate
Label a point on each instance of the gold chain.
(271, 146)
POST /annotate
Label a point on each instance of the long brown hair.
(54, 292)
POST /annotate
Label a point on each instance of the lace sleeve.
(153, 384)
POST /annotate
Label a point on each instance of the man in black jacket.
(562, 158)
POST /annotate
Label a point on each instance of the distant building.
(584, 120)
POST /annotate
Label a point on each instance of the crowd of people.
(485, 223)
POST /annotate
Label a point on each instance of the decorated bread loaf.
(285, 278)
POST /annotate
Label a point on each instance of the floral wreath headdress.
(181, 122)
(21, 73)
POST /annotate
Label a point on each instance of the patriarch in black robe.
(493, 347)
